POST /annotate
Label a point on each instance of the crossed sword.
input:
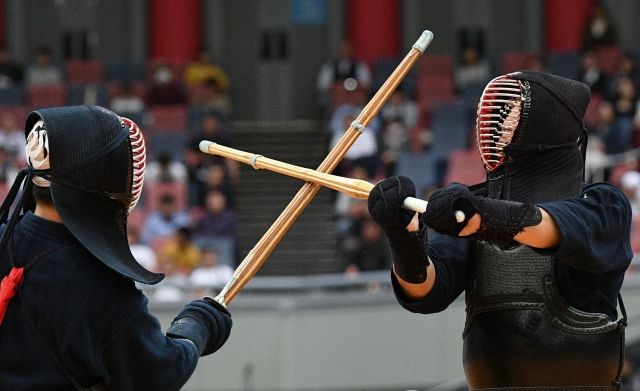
(256, 257)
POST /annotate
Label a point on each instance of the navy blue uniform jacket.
(94, 320)
(593, 254)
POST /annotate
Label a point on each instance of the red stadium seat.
(19, 112)
(85, 71)
(46, 96)
(465, 167)
(434, 89)
(608, 58)
(435, 65)
(516, 61)
(168, 118)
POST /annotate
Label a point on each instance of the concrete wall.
(340, 341)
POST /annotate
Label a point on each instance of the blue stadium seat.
(172, 142)
(123, 70)
(451, 127)
(566, 64)
(12, 96)
(88, 94)
(422, 168)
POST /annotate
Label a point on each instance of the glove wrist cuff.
(410, 258)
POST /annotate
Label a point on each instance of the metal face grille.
(498, 117)
(138, 160)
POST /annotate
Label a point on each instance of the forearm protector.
(410, 258)
(502, 220)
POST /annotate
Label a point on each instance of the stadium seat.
(172, 142)
(19, 112)
(12, 96)
(451, 126)
(168, 118)
(420, 167)
(608, 58)
(465, 167)
(565, 64)
(435, 65)
(515, 61)
(85, 71)
(125, 71)
(434, 89)
(88, 94)
(46, 96)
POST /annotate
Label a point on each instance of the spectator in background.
(347, 209)
(400, 117)
(164, 222)
(214, 177)
(472, 69)
(627, 69)
(600, 30)
(12, 137)
(11, 73)
(371, 251)
(217, 222)
(363, 152)
(591, 75)
(344, 68)
(166, 170)
(615, 132)
(44, 71)
(141, 252)
(625, 98)
(630, 186)
(212, 129)
(210, 274)
(164, 88)
(204, 70)
(212, 97)
(179, 255)
(351, 231)
(8, 169)
(126, 100)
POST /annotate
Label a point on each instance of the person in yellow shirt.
(178, 255)
(203, 69)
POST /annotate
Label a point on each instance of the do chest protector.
(521, 334)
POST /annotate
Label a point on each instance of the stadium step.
(310, 244)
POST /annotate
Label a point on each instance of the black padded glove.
(385, 202)
(205, 322)
(443, 205)
(410, 259)
(501, 220)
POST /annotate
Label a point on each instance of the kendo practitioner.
(540, 255)
(71, 317)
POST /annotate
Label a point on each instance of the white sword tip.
(204, 145)
(425, 39)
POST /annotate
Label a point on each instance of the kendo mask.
(531, 136)
(93, 161)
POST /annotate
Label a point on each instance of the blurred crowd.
(186, 223)
(427, 129)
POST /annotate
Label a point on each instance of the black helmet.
(531, 136)
(95, 167)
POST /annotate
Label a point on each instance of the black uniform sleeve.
(449, 256)
(594, 228)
